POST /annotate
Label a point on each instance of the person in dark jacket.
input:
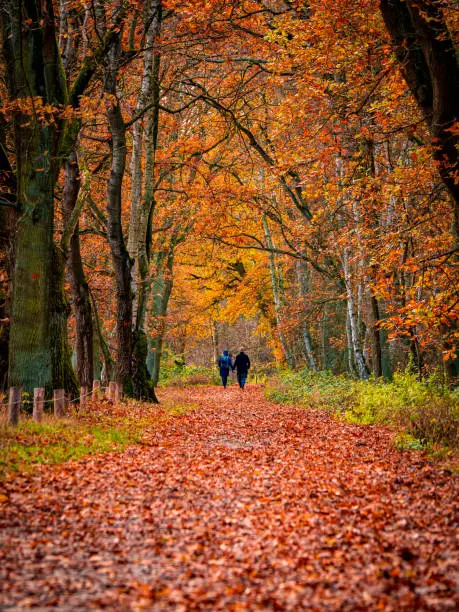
(242, 365)
(225, 364)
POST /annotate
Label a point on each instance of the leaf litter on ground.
(240, 504)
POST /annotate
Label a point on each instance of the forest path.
(239, 504)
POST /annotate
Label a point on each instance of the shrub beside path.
(239, 504)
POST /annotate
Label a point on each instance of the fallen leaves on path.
(237, 505)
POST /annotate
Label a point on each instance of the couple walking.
(241, 365)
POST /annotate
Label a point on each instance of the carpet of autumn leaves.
(239, 504)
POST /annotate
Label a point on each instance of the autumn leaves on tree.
(168, 165)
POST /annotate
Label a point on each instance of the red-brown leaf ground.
(238, 505)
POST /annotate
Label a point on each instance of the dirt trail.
(237, 505)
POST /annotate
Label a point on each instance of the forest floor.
(239, 504)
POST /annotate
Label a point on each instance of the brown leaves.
(238, 505)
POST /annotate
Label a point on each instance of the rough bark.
(142, 384)
(108, 365)
(63, 375)
(376, 351)
(122, 263)
(33, 69)
(143, 198)
(69, 35)
(8, 220)
(81, 302)
(162, 288)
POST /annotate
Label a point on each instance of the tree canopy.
(169, 167)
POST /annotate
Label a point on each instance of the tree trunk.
(143, 201)
(8, 221)
(142, 384)
(352, 317)
(425, 50)
(80, 291)
(108, 365)
(120, 257)
(374, 331)
(353, 310)
(417, 356)
(376, 352)
(181, 346)
(63, 375)
(302, 280)
(34, 70)
(28, 33)
(162, 288)
(276, 295)
(324, 339)
(143, 195)
(30, 352)
(214, 334)
(350, 350)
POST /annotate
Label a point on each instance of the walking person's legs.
(241, 378)
(224, 376)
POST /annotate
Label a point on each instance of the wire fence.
(23, 400)
(11, 407)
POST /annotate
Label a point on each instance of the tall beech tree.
(73, 200)
(35, 77)
(144, 181)
(122, 262)
(425, 50)
(8, 214)
(44, 136)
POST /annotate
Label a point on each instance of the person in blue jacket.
(242, 365)
(225, 364)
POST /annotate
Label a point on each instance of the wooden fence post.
(59, 402)
(38, 403)
(14, 404)
(118, 393)
(96, 389)
(83, 397)
(111, 390)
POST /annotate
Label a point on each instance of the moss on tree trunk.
(142, 385)
(62, 370)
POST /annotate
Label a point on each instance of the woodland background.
(179, 177)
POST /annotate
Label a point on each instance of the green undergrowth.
(195, 376)
(426, 414)
(177, 375)
(101, 428)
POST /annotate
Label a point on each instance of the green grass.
(426, 413)
(101, 428)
